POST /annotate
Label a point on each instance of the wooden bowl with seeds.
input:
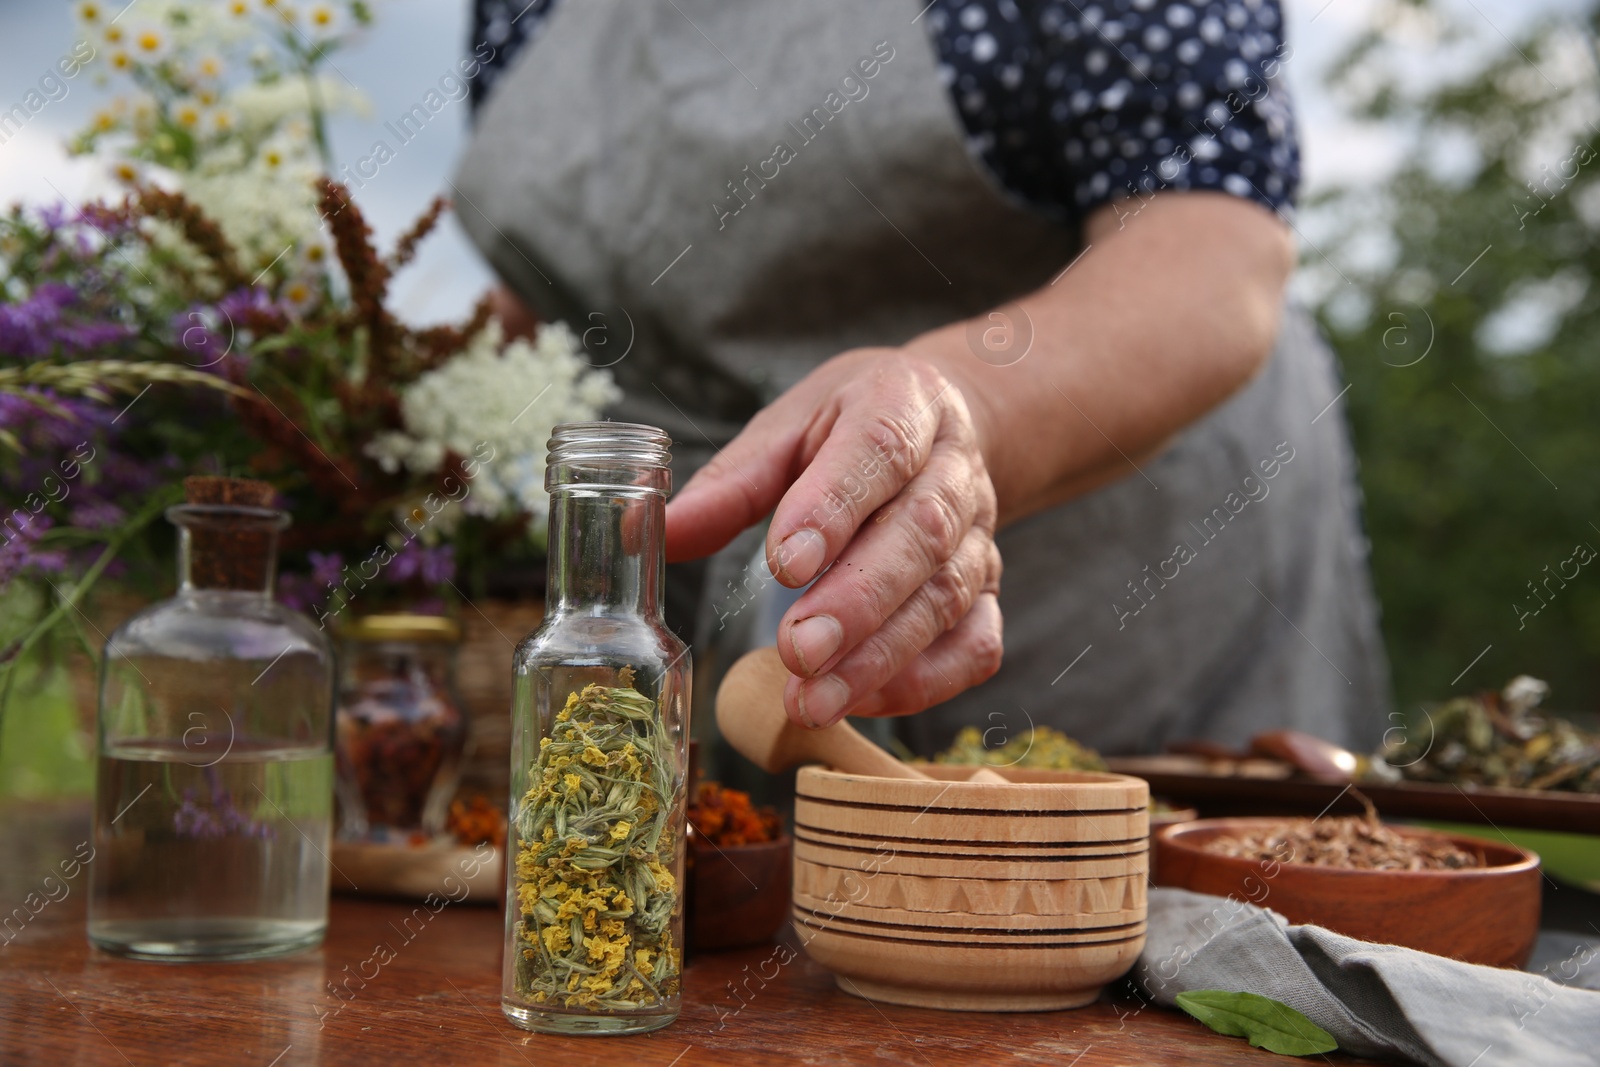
(1026, 895)
(1469, 898)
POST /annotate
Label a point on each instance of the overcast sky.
(415, 41)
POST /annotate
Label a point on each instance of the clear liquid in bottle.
(203, 860)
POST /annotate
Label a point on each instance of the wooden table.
(438, 1001)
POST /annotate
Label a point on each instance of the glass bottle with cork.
(214, 792)
(594, 917)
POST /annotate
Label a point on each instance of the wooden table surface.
(438, 1001)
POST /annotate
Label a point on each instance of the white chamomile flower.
(239, 8)
(90, 13)
(324, 19)
(221, 120)
(120, 60)
(209, 68)
(148, 43)
(127, 172)
(188, 114)
(299, 294)
(314, 256)
(115, 35)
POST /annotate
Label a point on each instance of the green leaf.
(1267, 1023)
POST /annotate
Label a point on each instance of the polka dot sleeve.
(1071, 107)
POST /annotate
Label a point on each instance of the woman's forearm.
(1167, 313)
(887, 470)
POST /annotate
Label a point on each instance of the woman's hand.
(895, 464)
(873, 464)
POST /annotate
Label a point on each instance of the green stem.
(307, 59)
(11, 658)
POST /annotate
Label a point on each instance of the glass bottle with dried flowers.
(594, 922)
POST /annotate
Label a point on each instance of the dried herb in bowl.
(1356, 842)
(1038, 747)
(1495, 739)
(727, 819)
(595, 888)
(476, 821)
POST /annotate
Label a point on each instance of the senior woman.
(941, 287)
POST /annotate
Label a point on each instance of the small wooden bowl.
(1487, 915)
(441, 868)
(1027, 895)
(739, 893)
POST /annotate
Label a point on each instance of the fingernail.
(800, 556)
(823, 701)
(814, 641)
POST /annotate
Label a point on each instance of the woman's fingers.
(887, 423)
(739, 486)
(893, 554)
(945, 605)
(962, 658)
(871, 466)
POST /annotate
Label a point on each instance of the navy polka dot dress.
(1070, 106)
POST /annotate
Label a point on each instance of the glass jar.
(214, 792)
(594, 916)
(401, 733)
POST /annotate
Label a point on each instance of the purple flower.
(53, 216)
(27, 329)
(304, 592)
(41, 326)
(19, 538)
(405, 563)
(298, 592)
(195, 817)
(96, 515)
(433, 566)
(241, 302)
(439, 564)
(325, 567)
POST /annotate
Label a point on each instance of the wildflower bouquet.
(226, 313)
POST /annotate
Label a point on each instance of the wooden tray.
(1266, 787)
(442, 869)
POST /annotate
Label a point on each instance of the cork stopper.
(232, 532)
(210, 489)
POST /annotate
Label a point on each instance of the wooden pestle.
(751, 716)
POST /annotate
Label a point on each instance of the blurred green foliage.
(44, 749)
(1471, 342)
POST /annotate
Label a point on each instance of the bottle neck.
(607, 551)
(227, 548)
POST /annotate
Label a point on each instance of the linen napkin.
(1377, 1000)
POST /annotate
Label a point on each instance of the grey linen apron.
(724, 193)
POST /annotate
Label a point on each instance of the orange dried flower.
(725, 817)
(476, 821)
